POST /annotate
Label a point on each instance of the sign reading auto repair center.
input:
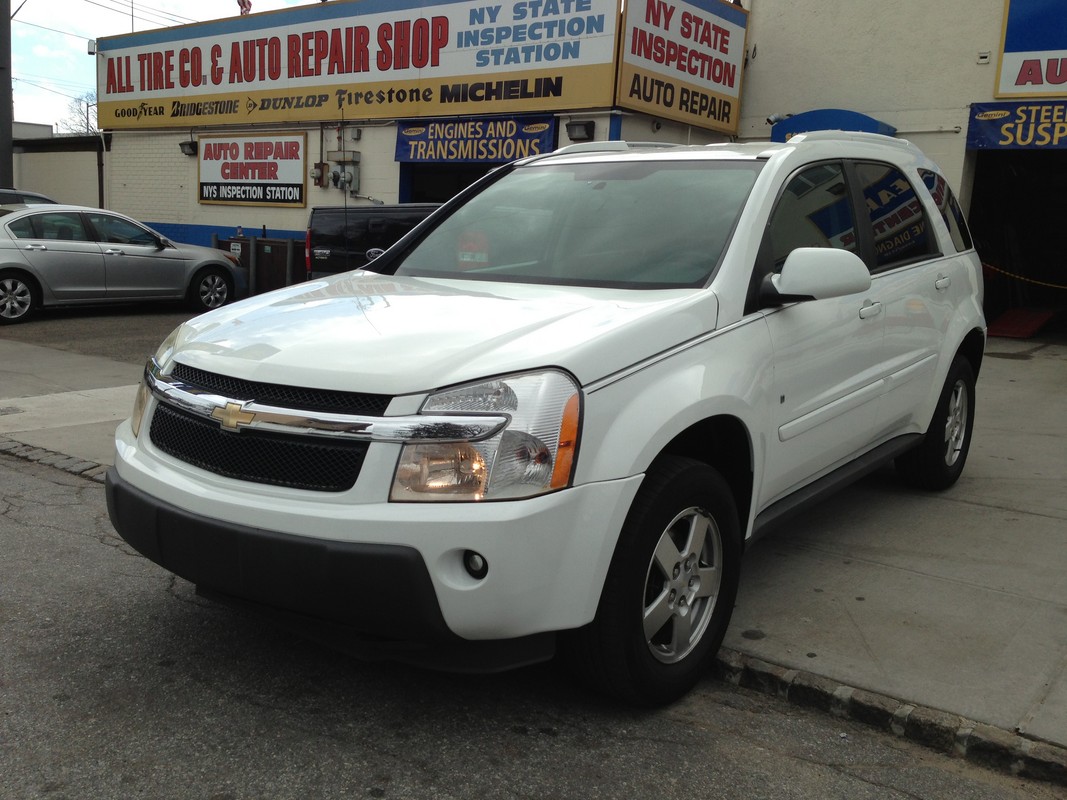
(1033, 59)
(366, 59)
(266, 170)
(683, 61)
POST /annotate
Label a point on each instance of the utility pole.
(7, 111)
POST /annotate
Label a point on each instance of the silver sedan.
(70, 255)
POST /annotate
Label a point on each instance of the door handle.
(869, 310)
(942, 282)
(36, 247)
(111, 251)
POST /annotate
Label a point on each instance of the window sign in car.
(900, 230)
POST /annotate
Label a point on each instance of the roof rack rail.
(614, 146)
(851, 136)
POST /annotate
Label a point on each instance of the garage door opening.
(1018, 208)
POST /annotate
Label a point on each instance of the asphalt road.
(129, 333)
(118, 681)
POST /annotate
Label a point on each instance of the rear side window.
(328, 228)
(902, 233)
(950, 210)
(57, 226)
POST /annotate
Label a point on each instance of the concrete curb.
(951, 734)
(995, 748)
(75, 466)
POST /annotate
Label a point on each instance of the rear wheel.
(670, 590)
(19, 298)
(938, 462)
(210, 289)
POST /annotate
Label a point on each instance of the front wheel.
(18, 298)
(670, 589)
(938, 462)
(210, 289)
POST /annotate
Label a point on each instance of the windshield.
(628, 224)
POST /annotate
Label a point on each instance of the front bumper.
(328, 591)
(390, 573)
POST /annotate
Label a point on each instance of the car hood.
(362, 331)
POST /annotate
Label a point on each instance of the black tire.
(211, 288)
(938, 462)
(19, 297)
(666, 601)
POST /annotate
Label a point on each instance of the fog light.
(476, 565)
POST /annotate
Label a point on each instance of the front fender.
(632, 417)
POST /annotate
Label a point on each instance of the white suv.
(552, 416)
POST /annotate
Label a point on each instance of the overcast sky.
(50, 64)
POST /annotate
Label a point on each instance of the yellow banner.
(565, 88)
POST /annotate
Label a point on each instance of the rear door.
(60, 248)
(912, 280)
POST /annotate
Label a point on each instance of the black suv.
(339, 237)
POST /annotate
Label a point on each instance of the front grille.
(274, 394)
(299, 462)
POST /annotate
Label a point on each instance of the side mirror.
(815, 273)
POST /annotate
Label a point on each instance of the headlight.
(140, 402)
(532, 455)
(166, 349)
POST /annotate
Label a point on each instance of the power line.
(168, 19)
(45, 88)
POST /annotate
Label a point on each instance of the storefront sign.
(683, 61)
(475, 140)
(365, 59)
(267, 170)
(1033, 60)
(1018, 126)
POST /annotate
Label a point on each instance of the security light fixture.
(189, 148)
(581, 131)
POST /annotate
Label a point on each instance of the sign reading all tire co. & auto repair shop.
(1033, 60)
(683, 61)
(369, 59)
(266, 170)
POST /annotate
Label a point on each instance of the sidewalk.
(942, 617)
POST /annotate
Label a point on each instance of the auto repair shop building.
(410, 100)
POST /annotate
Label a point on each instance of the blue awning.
(828, 119)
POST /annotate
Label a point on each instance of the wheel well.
(973, 348)
(723, 443)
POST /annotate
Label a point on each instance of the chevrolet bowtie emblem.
(231, 417)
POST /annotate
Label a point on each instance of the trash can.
(270, 262)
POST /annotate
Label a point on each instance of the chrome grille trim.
(237, 414)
